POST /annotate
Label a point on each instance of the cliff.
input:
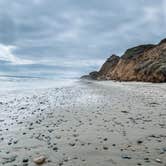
(141, 63)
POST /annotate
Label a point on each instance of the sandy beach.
(86, 124)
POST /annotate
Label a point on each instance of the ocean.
(29, 83)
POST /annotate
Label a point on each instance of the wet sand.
(89, 124)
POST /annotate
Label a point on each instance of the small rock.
(147, 159)
(58, 137)
(55, 149)
(125, 112)
(60, 163)
(75, 135)
(105, 147)
(124, 156)
(105, 139)
(158, 161)
(39, 160)
(72, 144)
(139, 142)
(25, 160)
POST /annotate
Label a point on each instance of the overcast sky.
(72, 37)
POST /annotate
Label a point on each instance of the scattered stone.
(105, 148)
(72, 144)
(39, 160)
(75, 135)
(125, 112)
(105, 139)
(25, 160)
(60, 163)
(58, 137)
(55, 149)
(158, 161)
(125, 156)
(139, 142)
(147, 159)
(66, 159)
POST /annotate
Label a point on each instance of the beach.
(87, 123)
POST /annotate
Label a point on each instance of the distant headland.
(145, 63)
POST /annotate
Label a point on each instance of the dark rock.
(105, 148)
(105, 139)
(72, 144)
(139, 142)
(146, 159)
(55, 149)
(124, 156)
(25, 160)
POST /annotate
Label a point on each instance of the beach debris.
(39, 160)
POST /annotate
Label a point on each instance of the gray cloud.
(75, 33)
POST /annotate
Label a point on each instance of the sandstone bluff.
(141, 63)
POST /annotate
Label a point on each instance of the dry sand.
(88, 124)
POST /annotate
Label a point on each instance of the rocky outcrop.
(142, 63)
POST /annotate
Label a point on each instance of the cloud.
(6, 54)
(72, 62)
(77, 35)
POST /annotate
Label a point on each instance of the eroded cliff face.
(142, 63)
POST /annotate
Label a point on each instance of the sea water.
(29, 83)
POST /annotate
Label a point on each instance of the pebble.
(124, 156)
(72, 144)
(25, 160)
(55, 149)
(105, 139)
(105, 147)
(158, 161)
(139, 142)
(39, 160)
